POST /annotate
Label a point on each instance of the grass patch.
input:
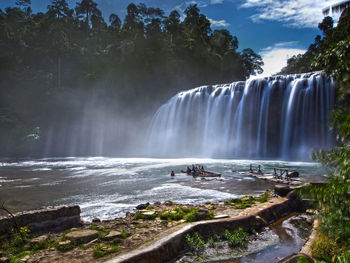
(247, 201)
(18, 246)
(139, 215)
(125, 234)
(175, 214)
(64, 246)
(102, 250)
(263, 198)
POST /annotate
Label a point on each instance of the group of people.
(195, 169)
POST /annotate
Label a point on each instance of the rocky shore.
(154, 233)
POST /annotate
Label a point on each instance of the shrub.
(192, 216)
(195, 241)
(342, 258)
(324, 247)
(211, 242)
(176, 214)
(263, 198)
(239, 238)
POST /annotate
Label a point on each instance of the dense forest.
(69, 66)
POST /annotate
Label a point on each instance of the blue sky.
(276, 29)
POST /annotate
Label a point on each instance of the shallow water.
(271, 245)
(108, 187)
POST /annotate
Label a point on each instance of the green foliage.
(325, 247)
(102, 250)
(125, 234)
(189, 214)
(332, 54)
(211, 242)
(247, 201)
(192, 216)
(62, 246)
(149, 207)
(195, 241)
(341, 258)
(239, 238)
(176, 214)
(18, 246)
(102, 230)
(303, 259)
(139, 215)
(263, 198)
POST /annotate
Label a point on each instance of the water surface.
(108, 187)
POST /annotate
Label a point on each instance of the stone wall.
(50, 219)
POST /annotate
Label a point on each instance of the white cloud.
(294, 13)
(275, 57)
(218, 23)
(214, 2)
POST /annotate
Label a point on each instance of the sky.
(275, 29)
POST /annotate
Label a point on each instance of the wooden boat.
(207, 174)
(201, 173)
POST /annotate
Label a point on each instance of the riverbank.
(152, 232)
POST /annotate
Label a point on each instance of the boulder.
(148, 213)
(64, 243)
(113, 234)
(25, 259)
(4, 260)
(142, 206)
(293, 174)
(38, 240)
(282, 190)
(82, 236)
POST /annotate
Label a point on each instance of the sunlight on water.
(109, 187)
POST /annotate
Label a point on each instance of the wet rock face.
(45, 220)
(282, 190)
(142, 206)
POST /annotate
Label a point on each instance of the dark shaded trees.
(49, 59)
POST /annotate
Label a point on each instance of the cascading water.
(283, 117)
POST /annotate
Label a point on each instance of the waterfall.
(280, 117)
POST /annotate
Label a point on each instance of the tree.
(59, 8)
(115, 21)
(88, 11)
(326, 25)
(252, 62)
(25, 6)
